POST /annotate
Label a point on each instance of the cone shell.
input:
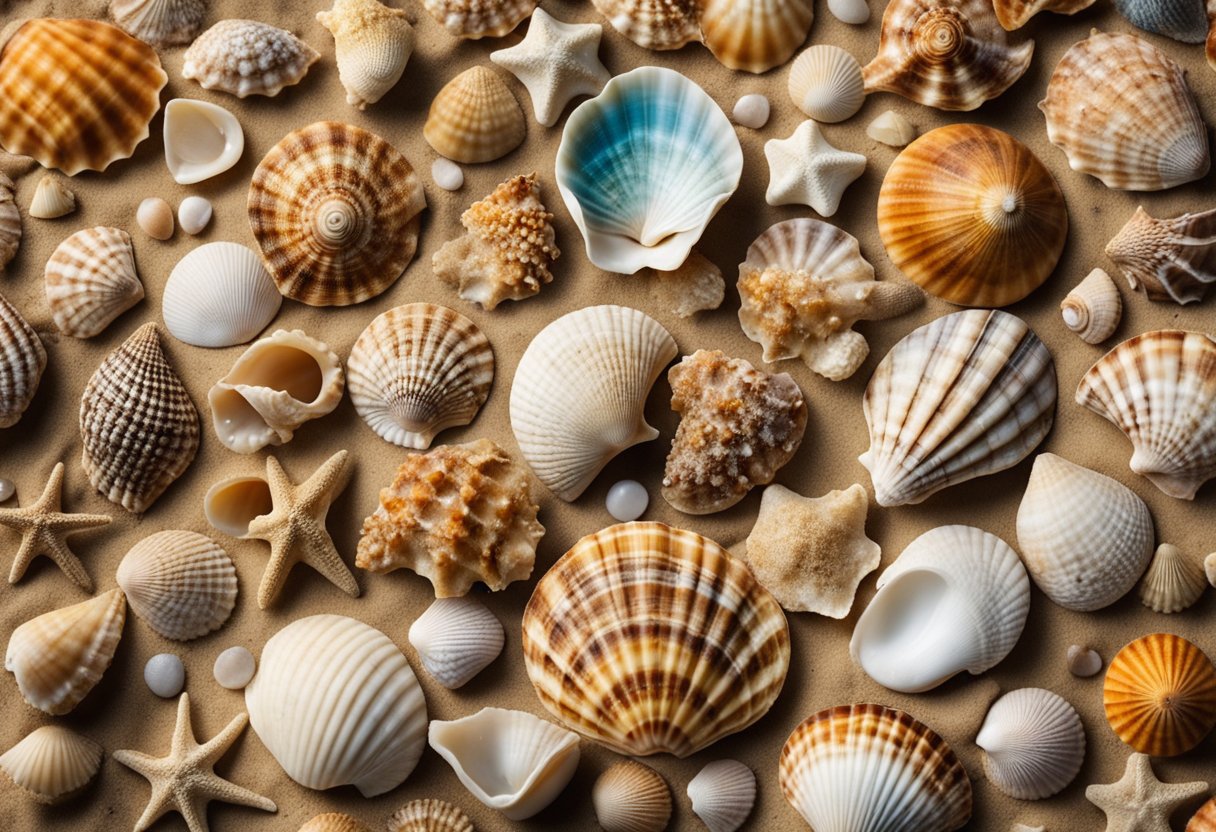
(668, 617)
(967, 395)
(22, 360)
(1013, 14)
(373, 43)
(429, 815)
(826, 84)
(91, 280)
(579, 392)
(1093, 308)
(52, 199)
(475, 118)
(631, 797)
(334, 822)
(1174, 580)
(59, 80)
(475, 19)
(654, 24)
(755, 35)
(10, 222)
(247, 57)
(335, 210)
(456, 638)
(219, 295)
(1173, 259)
(723, 795)
(59, 656)
(1033, 743)
(1160, 695)
(52, 763)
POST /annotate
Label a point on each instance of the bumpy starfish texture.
(184, 781)
(805, 170)
(1139, 802)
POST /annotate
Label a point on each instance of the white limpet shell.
(956, 599)
(447, 174)
(52, 763)
(373, 44)
(155, 218)
(891, 129)
(723, 795)
(183, 584)
(1083, 661)
(234, 668)
(247, 57)
(456, 638)
(91, 280)
(1033, 742)
(511, 761)
(825, 83)
(1093, 308)
(806, 169)
(1174, 580)
(631, 797)
(364, 719)
(853, 12)
(219, 295)
(580, 389)
(165, 675)
(202, 140)
(752, 110)
(52, 199)
(160, 22)
(194, 215)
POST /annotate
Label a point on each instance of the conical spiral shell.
(10, 222)
(1174, 580)
(91, 280)
(52, 199)
(429, 815)
(475, 118)
(755, 35)
(247, 57)
(52, 763)
(826, 84)
(652, 639)
(1094, 308)
(219, 295)
(1173, 259)
(631, 797)
(160, 22)
(373, 43)
(1033, 743)
(22, 360)
(723, 795)
(475, 19)
(182, 583)
(1013, 14)
(456, 638)
(654, 24)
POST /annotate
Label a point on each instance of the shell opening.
(1074, 316)
(940, 35)
(337, 223)
(282, 367)
(232, 505)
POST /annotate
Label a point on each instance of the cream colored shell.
(219, 295)
(456, 638)
(1174, 580)
(1033, 743)
(247, 57)
(631, 797)
(91, 280)
(24, 359)
(754, 35)
(654, 24)
(429, 815)
(160, 22)
(202, 140)
(1093, 308)
(475, 19)
(475, 118)
(723, 795)
(373, 44)
(1171, 259)
(825, 83)
(52, 199)
(52, 763)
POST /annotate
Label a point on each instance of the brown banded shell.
(52, 763)
(475, 118)
(631, 797)
(183, 584)
(429, 815)
(1172, 259)
(754, 35)
(654, 24)
(22, 360)
(247, 57)
(475, 19)
(91, 280)
(10, 222)
(1013, 14)
(1093, 308)
(160, 22)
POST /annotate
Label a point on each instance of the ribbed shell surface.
(429, 815)
(456, 638)
(91, 280)
(160, 22)
(183, 584)
(52, 763)
(22, 360)
(755, 35)
(475, 19)
(10, 222)
(1034, 743)
(475, 118)
(219, 295)
(1172, 259)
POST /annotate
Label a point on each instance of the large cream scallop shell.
(91, 280)
(373, 44)
(247, 57)
(723, 794)
(363, 720)
(1013, 14)
(475, 19)
(755, 35)
(10, 222)
(22, 360)
(475, 118)
(52, 763)
(1093, 308)
(1033, 743)
(182, 583)
(456, 638)
(580, 389)
(219, 295)
(1172, 259)
(654, 24)
(202, 140)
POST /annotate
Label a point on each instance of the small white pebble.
(165, 675)
(627, 500)
(7, 490)
(155, 217)
(194, 214)
(1082, 661)
(853, 12)
(752, 111)
(447, 174)
(234, 668)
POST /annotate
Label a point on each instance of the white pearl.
(752, 111)
(627, 500)
(854, 12)
(194, 214)
(234, 668)
(7, 490)
(447, 174)
(165, 675)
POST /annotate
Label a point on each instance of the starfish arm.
(277, 570)
(70, 523)
(218, 746)
(25, 555)
(161, 803)
(321, 555)
(192, 806)
(217, 788)
(137, 761)
(66, 559)
(319, 490)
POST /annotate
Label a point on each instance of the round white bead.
(165, 675)
(447, 174)
(627, 500)
(752, 111)
(234, 668)
(194, 214)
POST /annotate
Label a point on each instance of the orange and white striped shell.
(475, 118)
(755, 35)
(654, 24)
(1013, 14)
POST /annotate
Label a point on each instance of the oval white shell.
(723, 794)
(202, 140)
(52, 763)
(825, 83)
(219, 295)
(247, 57)
(456, 638)
(194, 214)
(1033, 743)
(21, 369)
(91, 280)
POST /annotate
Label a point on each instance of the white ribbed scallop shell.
(1174, 580)
(182, 583)
(723, 795)
(52, 763)
(1033, 743)
(219, 295)
(22, 360)
(91, 280)
(825, 83)
(456, 638)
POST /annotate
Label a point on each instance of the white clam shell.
(456, 638)
(91, 280)
(723, 795)
(1033, 743)
(52, 763)
(219, 295)
(182, 583)
(202, 140)
(51, 199)
(825, 83)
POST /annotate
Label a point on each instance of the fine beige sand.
(122, 713)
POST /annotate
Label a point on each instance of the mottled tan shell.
(183, 584)
(475, 118)
(10, 222)
(91, 280)
(654, 24)
(1172, 259)
(1093, 308)
(474, 19)
(1013, 14)
(825, 82)
(755, 35)
(52, 763)
(429, 815)
(160, 22)
(22, 360)
(373, 44)
(631, 797)
(247, 57)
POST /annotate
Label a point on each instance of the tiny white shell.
(165, 675)
(52, 763)
(219, 295)
(456, 638)
(826, 83)
(51, 199)
(1093, 308)
(1083, 661)
(891, 129)
(723, 794)
(202, 140)
(1033, 742)
(447, 174)
(752, 110)
(627, 500)
(194, 214)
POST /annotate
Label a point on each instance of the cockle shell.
(1182, 20)
(1033, 743)
(183, 584)
(335, 210)
(373, 44)
(364, 722)
(1173, 259)
(202, 140)
(334, 822)
(723, 795)
(579, 391)
(631, 797)
(671, 617)
(59, 80)
(475, 19)
(1173, 582)
(654, 24)
(52, 763)
(967, 395)
(826, 84)
(10, 222)
(1013, 14)
(22, 360)
(754, 35)
(137, 422)
(475, 118)
(859, 768)
(219, 295)
(429, 815)
(91, 280)
(59, 656)
(955, 599)
(247, 57)
(160, 22)
(52, 199)
(1121, 110)
(456, 638)
(1093, 308)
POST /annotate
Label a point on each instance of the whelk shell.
(160, 22)
(202, 140)
(654, 24)
(1182, 20)
(1033, 743)
(373, 44)
(475, 118)
(631, 797)
(475, 19)
(1013, 14)
(247, 57)
(1174, 580)
(22, 360)
(52, 763)
(456, 638)
(722, 795)
(1093, 308)
(10, 222)
(1173, 259)
(91, 280)
(826, 84)
(429, 815)
(219, 295)
(754, 35)
(52, 199)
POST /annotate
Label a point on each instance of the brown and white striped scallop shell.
(334, 822)
(1013, 14)
(10, 222)
(160, 22)
(654, 24)
(22, 360)
(429, 815)
(247, 57)
(138, 425)
(1173, 259)
(52, 763)
(652, 639)
(474, 19)
(335, 211)
(475, 118)
(755, 35)
(91, 280)
(417, 370)
(631, 797)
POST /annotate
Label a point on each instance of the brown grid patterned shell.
(22, 360)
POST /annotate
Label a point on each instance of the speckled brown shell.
(654, 24)
(1172, 259)
(474, 19)
(22, 360)
(1013, 14)
(10, 222)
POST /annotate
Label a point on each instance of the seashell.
(373, 44)
(194, 214)
(1093, 308)
(137, 423)
(970, 214)
(866, 767)
(202, 140)
(755, 35)
(1160, 695)
(1120, 109)
(806, 169)
(579, 392)
(1084, 537)
(219, 295)
(723, 795)
(165, 675)
(278, 384)
(160, 22)
(626, 500)
(738, 427)
(967, 395)
(59, 80)
(803, 286)
(948, 54)
(59, 656)
(1013, 14)
(335, 210)
(1159, 388)
(752, 110)
(666, 614)
(22, 360)
(1173, 259)
(644, 166)
(631, 797)
(52, 199)
(1203, 820)
(1173, 581)
(511, 761)
(1182, 20)
(1033, 743)
(853, 12)
(475, 19)
(183, 584)
(155, 218)
(456, 638)
(1083, 661)
(247, 57)
(429, 815)
(365, 722)
(475, 118)
(91, 280)
(956, 599)
(52, 763)
(334, 822)
(892, 129)
(654, 24)
(10, 222)
(825, 83)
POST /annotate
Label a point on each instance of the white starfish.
(805, 170)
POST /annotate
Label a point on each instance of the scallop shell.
(10, 222)
(91, 280)
(666, 614)
(1182, 20)
(654, 24)
(967, 395)
(247, 57)
(1203, 820)
(373, 44)
(723, 795)
(1174, 581)
(948, 54)
(1122, 112)
(956, 599)
(1160, 695)
(475, 19)
(1093, 308)
(1173, 259)
(364, 723)
(183, 584)
(160, 22)
(631, 797)
(335, 210)
(475, 118)
(1013, 14)
(1159, 388)
(755, 35)
(278, 384)
(579, 392)
(644, 166)
(866, 767)
(138, 425)
(22, 360)
(219, 295)
(52, 199)
(972, 216)
(59, 80)
(52, 763)
(59, 656)
(456, 638)
(334, 822)
(826, 84)
(1033, 743)
(202, 140)
(429, 815)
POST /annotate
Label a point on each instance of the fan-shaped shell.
(1033, 743)
(52, 763)
(1173, 259)
(160, 22)
(579, 392)
(10, 222)
(475, 19)
(475, 118)
(631, 797)
(1013, 14)
(247, 57)
(52, 199)
(417, 370)
(334, 822)
(429, 815)
(335, 210)
(652, 639)
(826, 84)
(967, 395)
(59, 80)
(1173, 582)
(373, 44)
(654, 24)
(91, 280)
(755, 35)
(456, 638)
(723, 795)
(219, 295)
(1182, 20)
(22, 360)
(1093, 308)
(202, 140)
(1203, 820)
(857, 768)
(364, 722)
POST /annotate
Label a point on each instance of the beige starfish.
(44, 530)
(185, 780)
(1139, 802)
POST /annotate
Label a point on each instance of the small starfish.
(556, 61)
(805, 170)
(185, 780)
(44, 531)
(1139, 802)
